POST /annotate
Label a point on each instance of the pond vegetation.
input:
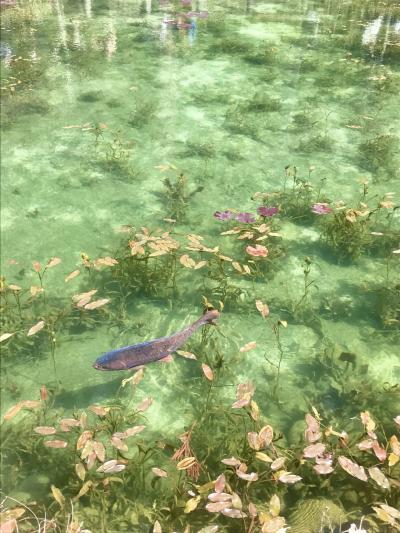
(247, 162)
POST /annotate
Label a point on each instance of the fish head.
(98, 366)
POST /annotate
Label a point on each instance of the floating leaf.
(135, 379)
(395, 444)
(274, 505)
(54, 261)
(383, 515)
(312, 433)
(80, 471)
(37, 327)
(237, 266)
(187, 355)
(96, 304)
(57, 495)
(231, 461)
(245, 390)
(72, 275)
(207, 372)
(159, 472)
(220, 483)
(240, 403)
(145, 404)
(323, 469)
(6, 336)
(247, 347)
(35, 289)
(67, 423)
(31, 404)
(379, 451)
(262, 308)
(15, 288)
(233, 513)
(287, 477)
(186, 463)
(98, 448)
(393, 459)
(105, 261)
(379, 477)
(368, 423)
(264, 457)
(84, 489)
(99, 410)
(119, 444)
(253, 440)
(255, 411)
(157, 527)
(36, 266)
(84, 295)
(12, 411)
(215, 507)
(45, 430)
(192, 504)
(278, 463)
(55, 443)
(352, 468)
(187, 261)
(8, 526)
(130, 432)
(274, 525)
(219, 497)
(365, 444)
(252, 510)
(200, 264)
(111, 467)
(252, 476)
(391, 511)
(266, 435)
(83, 438)
(314, 450)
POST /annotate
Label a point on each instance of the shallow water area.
(126, 128)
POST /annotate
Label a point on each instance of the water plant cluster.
(244, 476)
(235, 467)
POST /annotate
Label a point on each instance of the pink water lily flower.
(223, 215)
(321, 209)
(267, 211)
(257, 250)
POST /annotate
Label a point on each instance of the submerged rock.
(313, 515)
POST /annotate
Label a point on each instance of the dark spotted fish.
(147, 352)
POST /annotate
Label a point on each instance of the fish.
(154, 350)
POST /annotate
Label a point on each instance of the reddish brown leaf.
(45, 430)
(55, 443)
(159, 472)
(352, 468)
(207, 372)
(314, 450)
(37, 327)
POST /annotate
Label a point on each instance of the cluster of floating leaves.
(101, 456)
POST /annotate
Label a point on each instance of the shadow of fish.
(149, 351)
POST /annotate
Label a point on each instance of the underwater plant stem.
(52, 339)
(16, 296)
(276, 330)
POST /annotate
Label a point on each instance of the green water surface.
(101, 101)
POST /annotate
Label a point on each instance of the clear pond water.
(102, 102)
